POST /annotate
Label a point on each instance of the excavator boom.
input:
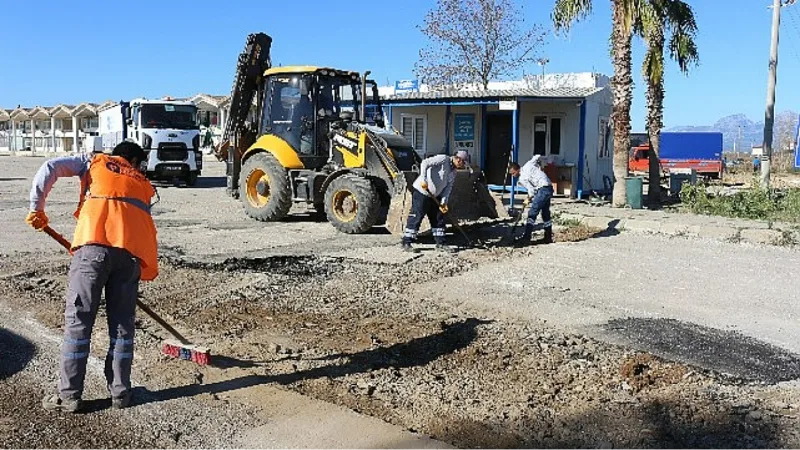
(247, 86)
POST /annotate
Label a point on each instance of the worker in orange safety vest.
(114, 246)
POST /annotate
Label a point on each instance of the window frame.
(547, 144)
(414, 117)
(603, 132)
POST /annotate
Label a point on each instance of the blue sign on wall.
(406, 86)
(464, 127)
(797, 146)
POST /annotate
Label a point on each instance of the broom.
(180, 347)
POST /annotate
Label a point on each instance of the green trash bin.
(634, 188)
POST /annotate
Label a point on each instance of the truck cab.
(639, 159)
(168, 132)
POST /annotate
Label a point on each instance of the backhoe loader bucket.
(470, 200)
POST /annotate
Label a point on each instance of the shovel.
(453, 221)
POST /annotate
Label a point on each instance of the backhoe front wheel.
(352, 204)
(265, 188)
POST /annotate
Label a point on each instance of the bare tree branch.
(474, 41)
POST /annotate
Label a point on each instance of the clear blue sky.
(68, 52)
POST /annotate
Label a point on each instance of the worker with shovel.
(113, 248)
(540, 192)
(430, 195)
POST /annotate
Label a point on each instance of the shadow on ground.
(211, 182)
(651, 424)
(15, 353)
(728, 352)
(202, 183)
(503, 234)
(417, 352)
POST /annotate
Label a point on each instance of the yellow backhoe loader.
(313, 135)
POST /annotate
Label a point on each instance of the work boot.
(406, 247)
(525, 239)
(122, 402)
(53, 402)
(548, 236)
(521, 241)
(445, 248)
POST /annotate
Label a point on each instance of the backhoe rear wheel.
(265, 188)
(352, 204)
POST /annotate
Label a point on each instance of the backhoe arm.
(250, 68)
(247, 86)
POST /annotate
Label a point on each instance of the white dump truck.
(166, 129)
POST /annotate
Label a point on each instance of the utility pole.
(769, 116)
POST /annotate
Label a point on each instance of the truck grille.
(172, 152)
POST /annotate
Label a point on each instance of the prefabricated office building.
(562, 117)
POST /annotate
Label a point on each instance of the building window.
(547, 135)
(89, 122)
(208, 118)
(414, 127)
(604, 136)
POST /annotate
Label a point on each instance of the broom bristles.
(187, 352)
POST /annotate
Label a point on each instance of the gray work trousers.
(94, 268)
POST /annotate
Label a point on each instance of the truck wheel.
(352, 204)
(191, 179)
(265, 188)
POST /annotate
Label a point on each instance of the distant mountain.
(752, 133)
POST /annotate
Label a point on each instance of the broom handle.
(162, 322)
(66, 244)
(58, 237)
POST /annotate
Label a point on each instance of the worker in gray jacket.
(436, 177)
(540, 192)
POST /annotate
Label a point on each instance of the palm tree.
(625, 14)
(656, 19)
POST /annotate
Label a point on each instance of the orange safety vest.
(116, 212)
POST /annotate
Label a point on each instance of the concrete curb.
(785, 235)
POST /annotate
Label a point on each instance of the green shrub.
(753, 203)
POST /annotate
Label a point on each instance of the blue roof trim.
(490, 101)
(437, 103)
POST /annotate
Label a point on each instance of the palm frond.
(683, 50)
(567, 12)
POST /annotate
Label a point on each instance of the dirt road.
(593, 343)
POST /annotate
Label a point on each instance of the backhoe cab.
(316, 136)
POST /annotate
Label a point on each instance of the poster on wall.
(797, 146)
(464, 128)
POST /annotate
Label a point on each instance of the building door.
(498, 147)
